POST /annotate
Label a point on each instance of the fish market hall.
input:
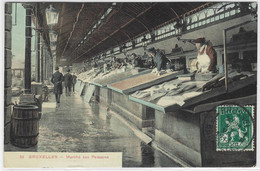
(165, 84)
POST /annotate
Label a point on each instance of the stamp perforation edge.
(252, 130)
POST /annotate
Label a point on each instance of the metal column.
(42, 47)
(28, 35)
(37, 61)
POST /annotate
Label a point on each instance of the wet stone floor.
(76, 126)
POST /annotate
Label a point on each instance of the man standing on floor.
(74, 80)
(68, 82)
(57, 79)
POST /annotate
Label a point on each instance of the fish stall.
(140, 115)
(185, 116)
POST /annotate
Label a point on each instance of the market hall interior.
(145, 79)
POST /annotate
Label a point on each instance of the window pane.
(227, 14)
(221, 16)
(217, 18)
(188, 20)
(233, 12)
(203, 22)
(188, 27)
(212, 19)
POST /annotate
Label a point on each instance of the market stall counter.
(185, 117)
(194, 136)
(103, 94)
(140, 115)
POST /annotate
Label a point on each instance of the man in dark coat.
(159, 59)
(68, 80)
(74, 80)
(57, 79)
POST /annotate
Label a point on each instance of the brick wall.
(8, 75)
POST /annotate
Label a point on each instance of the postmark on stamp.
(235, 128)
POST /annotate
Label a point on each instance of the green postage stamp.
(235, 128)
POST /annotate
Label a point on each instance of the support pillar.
(28, 36)
(42, 60)
(37, 61)
(45, 64)
(27, 97)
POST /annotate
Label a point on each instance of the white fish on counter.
(191, 94)
(141, 94)
(171, 100)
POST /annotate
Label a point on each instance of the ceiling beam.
(73, 28)
(135, 18)
(124, 25)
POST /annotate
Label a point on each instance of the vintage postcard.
(130, 84)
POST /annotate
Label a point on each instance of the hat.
(56, 68)
(134, 54)
(68, 70)
(151, 50)
(200, 40)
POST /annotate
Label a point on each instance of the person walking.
(57, 79)
(74, 80)
(68, 80)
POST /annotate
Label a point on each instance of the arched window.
(202, 15)
(230, 6)
(253, 5)
(194, 18)
(210, 12)
(220, 8)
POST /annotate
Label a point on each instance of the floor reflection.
(79, 127)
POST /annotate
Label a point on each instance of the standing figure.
(68, 80)
(206, 56)
(74, 80)
(57, 79)
(159, 59)
(136, 61)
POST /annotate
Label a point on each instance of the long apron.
(203, 61)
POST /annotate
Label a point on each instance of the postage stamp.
(235, 128)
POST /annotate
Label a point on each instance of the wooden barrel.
(25, 125)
